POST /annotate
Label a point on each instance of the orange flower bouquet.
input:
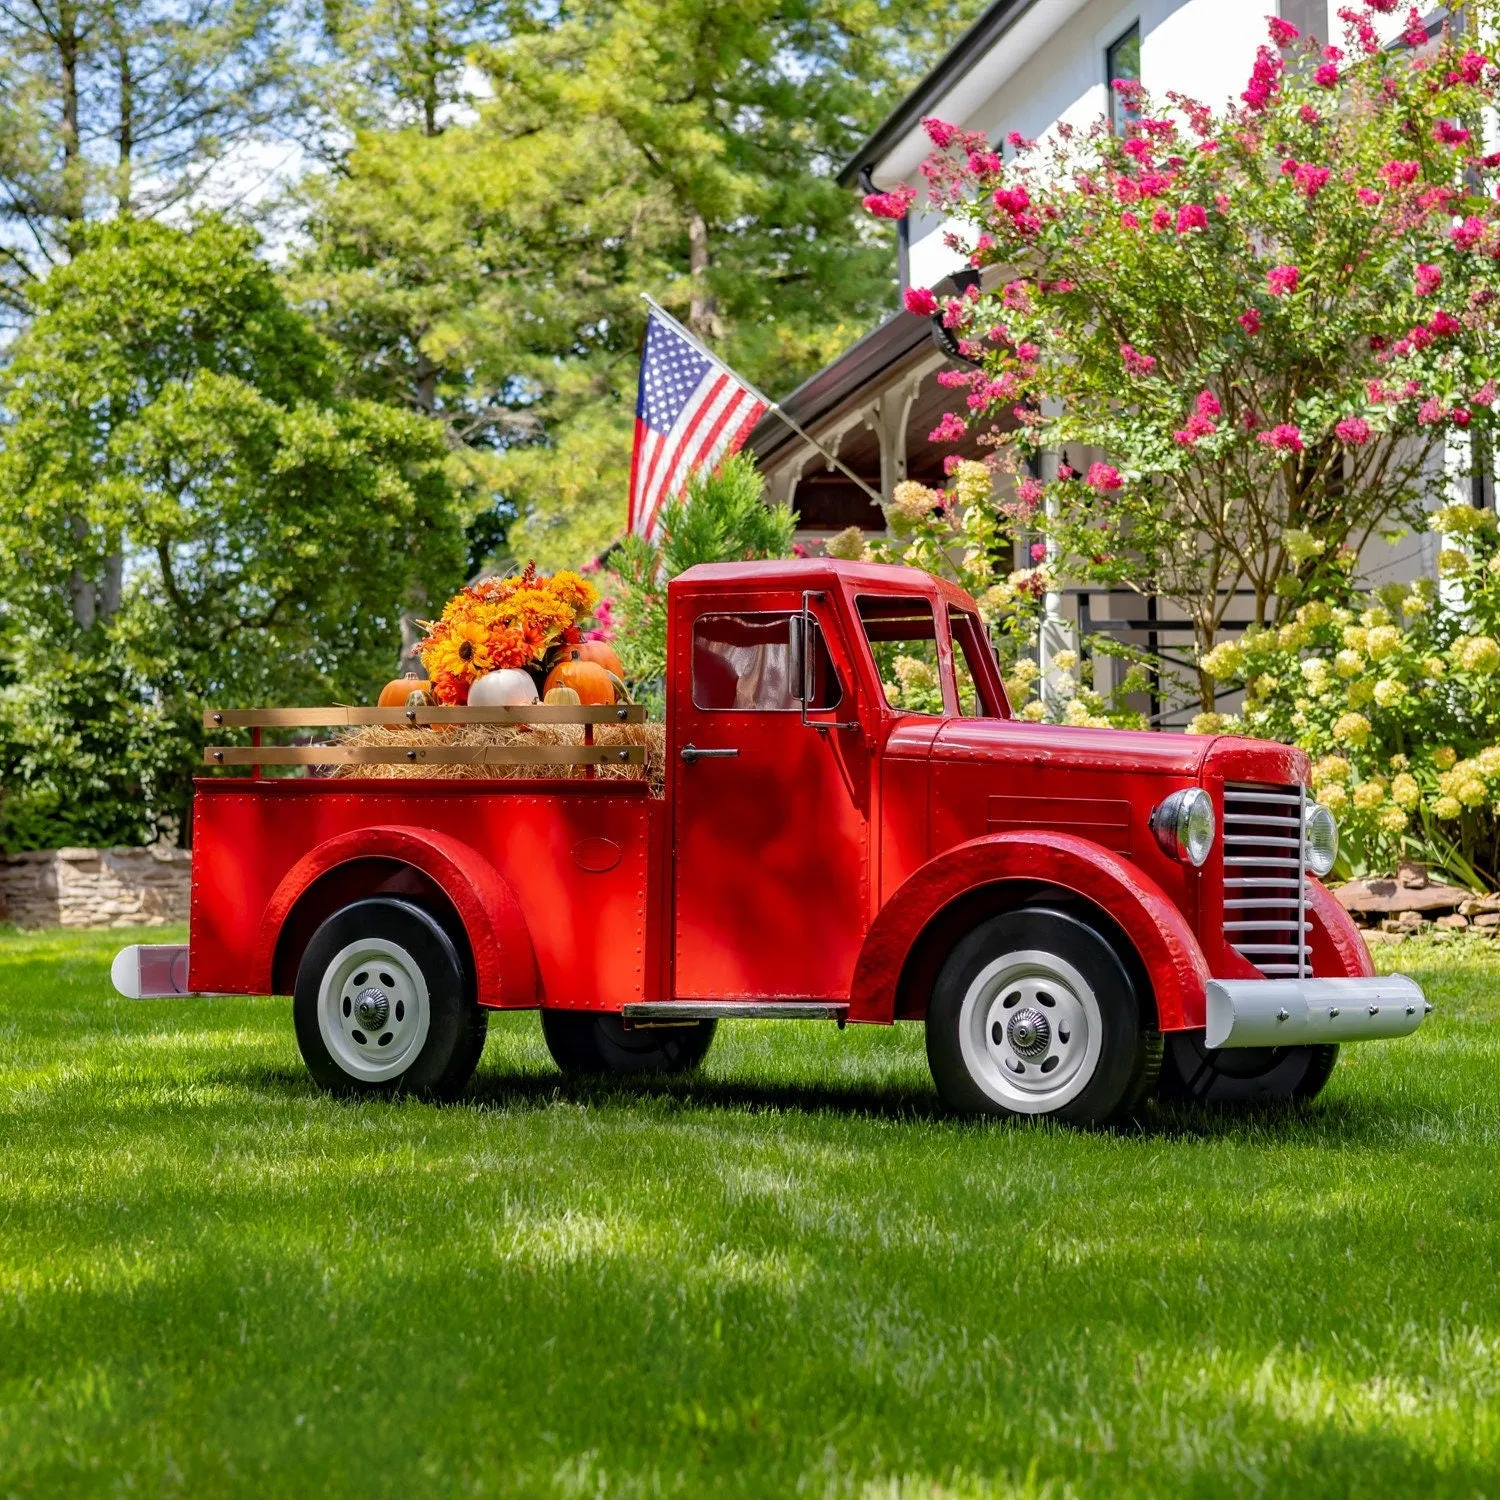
(515, 622)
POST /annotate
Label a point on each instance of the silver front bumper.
(1301, 1012)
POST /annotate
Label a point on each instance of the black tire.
(1064, 1074)
(1242, 1075)
(585, 1042)
(402, 954)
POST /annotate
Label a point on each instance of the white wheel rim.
(373, 1011)
(1030, 1030)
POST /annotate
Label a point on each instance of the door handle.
(690, 753)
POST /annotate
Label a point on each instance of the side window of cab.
(749, 663)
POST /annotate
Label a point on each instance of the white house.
(1024, 65)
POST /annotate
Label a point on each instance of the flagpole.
(770, 405)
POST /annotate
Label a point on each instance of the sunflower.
(459, 647)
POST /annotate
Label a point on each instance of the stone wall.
(95, 887)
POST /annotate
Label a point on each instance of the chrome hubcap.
(373, 1010)
(1030, 1031)
(1029, 1034)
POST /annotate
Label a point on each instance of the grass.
(792, 1276)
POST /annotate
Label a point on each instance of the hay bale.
(651, 735)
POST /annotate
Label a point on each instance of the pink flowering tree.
(1254, 332)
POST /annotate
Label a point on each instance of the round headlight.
(1184, 825)
(1320, 838)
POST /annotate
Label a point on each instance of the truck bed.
(582, 859)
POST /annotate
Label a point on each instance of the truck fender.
(1337, 945)
(1163, 941)
(505, 968)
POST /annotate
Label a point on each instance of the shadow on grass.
(1336, 1123)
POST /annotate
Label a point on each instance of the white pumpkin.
(503, 689)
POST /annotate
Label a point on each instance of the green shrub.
(722, 516)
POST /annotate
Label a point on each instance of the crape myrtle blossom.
(1282, 279)
(1348, 306)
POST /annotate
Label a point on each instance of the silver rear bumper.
(1301, 1012)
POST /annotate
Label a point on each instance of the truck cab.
(852, 826)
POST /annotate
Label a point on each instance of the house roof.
(969, 49)
(855, 369)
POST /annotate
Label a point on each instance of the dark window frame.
(1119, 112)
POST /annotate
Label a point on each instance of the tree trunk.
(82, 595)
(127, 128)
(68, 50)
(114, 579)
(1203, 637)
(703, 313)
(430, 98)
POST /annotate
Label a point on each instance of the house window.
(1122, 59)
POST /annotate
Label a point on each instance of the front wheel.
(589, 1042)
(384, 1004)
(1242, 1075)
(1033, 1013)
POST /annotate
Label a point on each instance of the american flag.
(690, 411)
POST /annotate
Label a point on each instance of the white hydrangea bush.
(1396, 695)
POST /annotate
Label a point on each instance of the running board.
(676, 1012)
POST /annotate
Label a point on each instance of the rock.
(1471, 908)
(1411, 876)
(1376, 936)
(1406, 921)
(1388, 895)
(1488, 920)
(1452, 920)
(1490, 902)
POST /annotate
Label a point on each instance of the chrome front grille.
(1265, 892)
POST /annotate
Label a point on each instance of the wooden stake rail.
(408, 718)
(588, 754)
(432, 755)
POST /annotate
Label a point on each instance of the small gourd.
(399, 692)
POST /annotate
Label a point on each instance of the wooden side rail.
(432, 755)
(588, 754)
(407, 718)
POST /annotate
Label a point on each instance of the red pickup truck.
(1077, 916)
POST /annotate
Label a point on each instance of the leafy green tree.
(491, 274)
(402, 62)
(189, 513)
(125, 106)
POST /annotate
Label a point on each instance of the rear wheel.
(385, 1004)
(1242, 1075)
(584, 1042)
(1034, 1014)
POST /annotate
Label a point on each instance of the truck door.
(771, 803)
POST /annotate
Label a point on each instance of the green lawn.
(792, 1276)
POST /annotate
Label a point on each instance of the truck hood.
(1064, 747)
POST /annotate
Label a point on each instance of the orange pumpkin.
(396, 693)
(597, 651)
(587, 678)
